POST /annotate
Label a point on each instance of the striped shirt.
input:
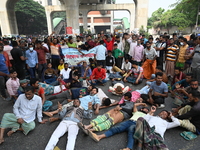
(171, 52)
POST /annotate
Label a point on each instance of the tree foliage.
(31, 17)
(183, 15)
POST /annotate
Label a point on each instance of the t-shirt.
(150, 54)
(196, 60)
(16, 54)
(116, 53)
(65, 73)
(127, 109)
(171, 52)
(73, 45)
(159, 88)
(137, 71)
(3, 67)
(137, 115)
(40, 92)
(60, 67)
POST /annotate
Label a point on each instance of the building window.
(49, 2)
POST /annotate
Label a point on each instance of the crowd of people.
(31, 70)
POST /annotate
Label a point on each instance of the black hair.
(30, 44)
(12, 71)
(117, 37)
(166, 112)
(159, 68)
(107, 102)
(193, 80)
(148, 42)
(177, 68)
(29, 88)
(14, 43)
(101, 42)
(192, 36)
(115, 44)
(195, 93)
(5, 42)
(96, 89)
(33, 81)
(66, 64)
(91, 60)
(184, 40)
(128, 94)
(134, 62)
(174, 34)
(109, 51)
(159, 74)
(189, 74)
(151, 39)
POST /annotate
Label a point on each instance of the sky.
(153, 6)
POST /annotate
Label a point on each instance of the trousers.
(63, 127)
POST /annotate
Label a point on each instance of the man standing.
(70, 117)
(19, 59)
(98, 75)
(23, 116)
(196, 61)
(100, 55)
(172, 51)
(160, 48)
(181, 55)
(32, 60)
(42, 64)
(149, 65)
(138, 53)
(4, 72)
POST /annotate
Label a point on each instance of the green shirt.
(73, 45)
(137, 115)
(117, 52)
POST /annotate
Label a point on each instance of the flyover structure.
(138, 13)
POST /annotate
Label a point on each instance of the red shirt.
(96, 74)
(40, 92)
(109, 45)
(41, 52)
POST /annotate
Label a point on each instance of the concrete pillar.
(49, 21)
(8, 18)
(141, 13)
(85, 20)
(72, 13)
(132, 19)
(111, 22)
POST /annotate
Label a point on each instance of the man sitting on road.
(24, 112)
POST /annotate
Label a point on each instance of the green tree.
(31, 17)
(155, 19)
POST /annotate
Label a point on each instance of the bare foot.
(1, 141)
(10, 133)
(125, 149)
(53, 119)
(48, 114)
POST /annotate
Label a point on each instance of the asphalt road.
(38, 138)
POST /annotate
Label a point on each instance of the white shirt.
(26, 109)
(159, 46)
(100, 52)
(133, 44)
(126, 66)
(101, 95)
(160, 124)
(65, 73)
(7, 49)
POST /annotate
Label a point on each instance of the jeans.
(63, 127)
(128, 126)
(98, 82)
(21, 72)
(41, 69)
(133, 80)
(32, 71)
(2, 87)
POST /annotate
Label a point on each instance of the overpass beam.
(72, 13)
(8, 20)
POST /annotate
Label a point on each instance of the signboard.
(72, 56)
(69, 30)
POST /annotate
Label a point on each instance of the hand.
(136, 82)
(80, 96)
(59, 106)
(44, 121)
(28, 67)
(156, 94)
(177, 86)
(20, 120)
(36, 66)
(125, 80)
(153, 109)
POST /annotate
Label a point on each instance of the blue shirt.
(183, 83)
(89, 98)
(100, 52)
(162, 88)
(32, 58)
(3, 67)
(88, 73)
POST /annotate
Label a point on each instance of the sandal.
(188, 135)
(93, 136)
(81, 126)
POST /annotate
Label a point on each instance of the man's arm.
(16, 107)
(4, 74)
(39, 111)
(175, 122)
(138, 104)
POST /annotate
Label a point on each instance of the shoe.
(81, 126)
(161, 106)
